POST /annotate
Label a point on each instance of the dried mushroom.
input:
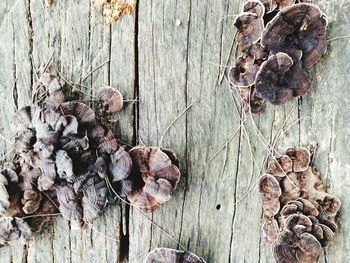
(250, 27)
(274, 81)
(66, 158)
(13, 231)
(278, 40)
(153, 178)
(111, 99)
(167, 255)
(300, 217)
(243, 74)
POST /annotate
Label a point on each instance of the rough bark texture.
(167, 55)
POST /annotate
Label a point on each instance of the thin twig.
(226, 143)
(172, 123)
(336, 38)
(31, 216)
(91, 72)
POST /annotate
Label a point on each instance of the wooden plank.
(215, 211)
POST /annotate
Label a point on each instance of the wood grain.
(169, 56)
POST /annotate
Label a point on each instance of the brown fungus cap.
(270, 231)
(269, 187)
(167, 255)
(14, 231)
(300, 157)
(251, 101)
(244, 72)
(256, 52)
(111, 100)
(280, 166)
(278, 79)
(303, 22)
(254, 6)
(250, 27)
(152, 179)
(291, 248)
(298, 223)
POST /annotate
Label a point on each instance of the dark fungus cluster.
(167, 255)
(67, 161)
(299, 216)
(278, 40)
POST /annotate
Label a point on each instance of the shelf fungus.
(278, 40)
(299, 216)
(69, 161)
(153, 178)
(167, 255)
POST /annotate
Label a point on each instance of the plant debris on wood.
(113, 10)
(278, 40)
(67, 160)
(167, 255)
(300, 217)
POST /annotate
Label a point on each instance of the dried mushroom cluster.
(278, 40)
(66, 161)
(167, 255)
(299, 216)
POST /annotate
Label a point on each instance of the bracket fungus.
(153, 178)
(278, 39)
(167, 255)
(66, 160)
(299, 216)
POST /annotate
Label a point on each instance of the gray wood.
(168, 56)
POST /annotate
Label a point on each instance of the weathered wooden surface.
(167, 55)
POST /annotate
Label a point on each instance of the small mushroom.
(290, 248)
(94, 199)
(270, 231)
(14, 231)
(111, 99)
(256, 52)
(306, 23)
(244, 72)
(31, 201)
(269, 187)
(254, 6)
(298, 223)
(251, 101)
(329, 205)
(103, 138)
(153, 178)
(280, 166)
(48, 175)
(167, 255)
(300, 157)
(69, 206)
(64, 166)
(120, 165)
(84, 114)
(250, 27)
(270, 207)
(279, 79)
(51, 83)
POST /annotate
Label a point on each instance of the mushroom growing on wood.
(305, 213)
(254, 6)
(167, 255)
(244, 72)
(14, 231)
(152, 179)
(293, 248)
(304, 22)
(250, 27)
(278, 80)
(111, 99)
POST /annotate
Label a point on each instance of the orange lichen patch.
(113, 10)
